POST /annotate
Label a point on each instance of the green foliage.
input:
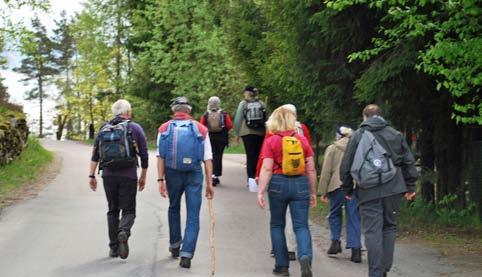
(187, 52)
(446, 213)
(26, 168)
(451, 46)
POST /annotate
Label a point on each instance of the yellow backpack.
(293, 156)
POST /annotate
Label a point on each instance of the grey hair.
(120, 107)
(183, 108)
(214, 103)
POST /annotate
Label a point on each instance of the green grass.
(235, 148)
(25, 168)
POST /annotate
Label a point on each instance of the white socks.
(252, 185)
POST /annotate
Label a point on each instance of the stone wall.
(13, 135)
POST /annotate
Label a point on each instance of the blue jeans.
(177, 183)
(335, 218)
(294, 192)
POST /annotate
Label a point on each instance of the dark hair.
(371, 110)
(252, 90)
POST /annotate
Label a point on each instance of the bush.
(445, 213)
(13, 134)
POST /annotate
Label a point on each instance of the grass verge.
(31, 162)
(235, 148)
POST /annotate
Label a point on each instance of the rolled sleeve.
(208, 150)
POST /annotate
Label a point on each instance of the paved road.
(63, 232)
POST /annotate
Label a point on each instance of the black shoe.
(174, 252)
(291, 255)
(356, 255)
(123, 246)
(114, 252)
(216, 181)
(335, 247)
(272, 253)
(305, 264)
(185, 262)
(385, 274)
(281, 271)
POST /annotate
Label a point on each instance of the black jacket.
(394, 142)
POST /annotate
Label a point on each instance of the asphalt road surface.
(63, 232)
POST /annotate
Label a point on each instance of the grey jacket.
(400, 153)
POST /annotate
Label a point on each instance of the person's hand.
(410, 196)
(209, 191)
(324, 198)
(313, 200)
(238, 140)
(162, 189)
(348, 197)
(141, 183)
(93, 184)
(261, 201)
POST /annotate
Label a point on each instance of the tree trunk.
(118, 50)
(450, 151)
(41, 98)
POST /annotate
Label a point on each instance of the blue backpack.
(182, 146)
(116, 146)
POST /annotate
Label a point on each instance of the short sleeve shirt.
(272, 149)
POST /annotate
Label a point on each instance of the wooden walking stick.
(211, 236)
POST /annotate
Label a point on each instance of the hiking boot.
(335, 247)
(114, 252)
(123, 246)
(281, 271)
(174, 252)
(291, 255)
(272, 253)
(216, 181)
(305, 264)
(185, 262)
(356, 255)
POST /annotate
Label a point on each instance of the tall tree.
(64, 53)
(37, 64)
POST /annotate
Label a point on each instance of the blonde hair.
(281, 120)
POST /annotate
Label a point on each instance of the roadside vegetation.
(26, 168)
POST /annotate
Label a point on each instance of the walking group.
(367, 172)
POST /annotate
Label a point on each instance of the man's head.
(181, 105)
(250, 92)
(122, 108)
(370, 111)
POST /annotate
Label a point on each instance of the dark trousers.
(252, 146)
(379, 224)
(218, 143)
(121, 195)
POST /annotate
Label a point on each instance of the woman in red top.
(301, 129)
(218, 123)
(297, 192)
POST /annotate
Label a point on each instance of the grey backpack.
(372, 165)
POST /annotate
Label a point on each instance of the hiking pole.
(211, 236)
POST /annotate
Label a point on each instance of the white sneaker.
(252, 185)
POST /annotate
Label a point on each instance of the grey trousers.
(379, 224)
